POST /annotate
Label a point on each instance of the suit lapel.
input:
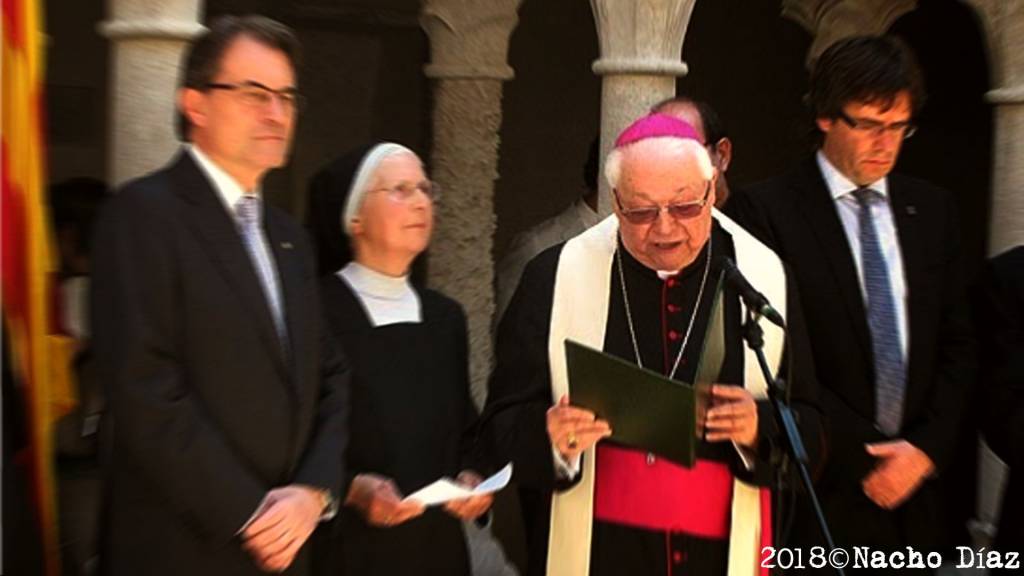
(211, 222)
(904, 204)
(284, 248)
(820, 215)
(904, 210)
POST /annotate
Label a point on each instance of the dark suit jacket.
(208, 411)
(796, 216)
(1001, 336)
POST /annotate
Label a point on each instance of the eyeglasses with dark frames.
(678, 211)
(256, 95)
(876, 128)
(406, 191)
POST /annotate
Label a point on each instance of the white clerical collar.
(387, 299)
(228, 189)
(839, 185)
(374, 283)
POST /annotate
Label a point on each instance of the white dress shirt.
(230, 192)
(841, 188)
(228, 189)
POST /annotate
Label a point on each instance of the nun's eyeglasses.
(406, 191)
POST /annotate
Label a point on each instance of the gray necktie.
(247, 213)
(890, 373)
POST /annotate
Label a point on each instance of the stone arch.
(956, 121)
(759, 98)
(550, 112)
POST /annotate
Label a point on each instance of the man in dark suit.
(228, 400)
(876, 258)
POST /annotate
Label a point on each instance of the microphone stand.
(754, 336)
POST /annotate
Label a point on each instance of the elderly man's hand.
(469, 508)
(901, 469)
(289, 516)
(573, 430)
(380, 501)
(733, 416)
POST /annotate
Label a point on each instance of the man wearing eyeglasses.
(640, 285)
(227, 399)
(876, 257)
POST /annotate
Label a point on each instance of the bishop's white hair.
(686, 148)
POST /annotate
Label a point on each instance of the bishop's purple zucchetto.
(656, 126)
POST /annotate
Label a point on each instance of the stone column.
(832, 20)
(1003, 21)
(469, 48)
(641, 48)
(147, 40)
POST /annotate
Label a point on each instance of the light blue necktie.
(247, 213)
(890, 373)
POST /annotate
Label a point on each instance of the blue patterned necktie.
(247, 213)
(890, 373)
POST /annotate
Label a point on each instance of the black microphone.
(754, 300)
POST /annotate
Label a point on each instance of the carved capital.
(831, 20)
(469, 38)
(1003, 23)
(641, 37)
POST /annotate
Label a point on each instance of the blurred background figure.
(702, 116)
(576, 218)
(412, 416)
(74, 206)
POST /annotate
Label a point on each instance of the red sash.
(656, 494)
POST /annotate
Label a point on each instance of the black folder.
(645, 409)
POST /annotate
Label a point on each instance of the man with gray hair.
(640, 286)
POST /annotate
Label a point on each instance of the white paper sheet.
(446, 489)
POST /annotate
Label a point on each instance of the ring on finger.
(572, 442)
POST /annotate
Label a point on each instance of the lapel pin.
(911, 210)
(286, 245)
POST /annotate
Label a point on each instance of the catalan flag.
(38, 357)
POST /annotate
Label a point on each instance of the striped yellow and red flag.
(37, 356)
